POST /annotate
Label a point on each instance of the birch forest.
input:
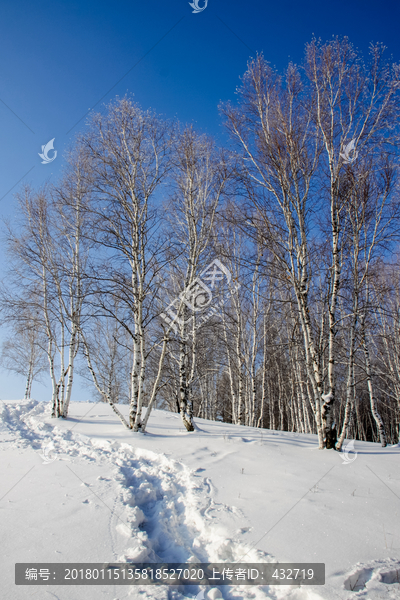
(297, 205)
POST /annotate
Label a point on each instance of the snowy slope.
(88, 490)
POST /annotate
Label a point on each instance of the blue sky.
(58, 59)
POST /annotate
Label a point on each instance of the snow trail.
(162, 511)
(160, 507)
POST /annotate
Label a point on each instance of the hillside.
(87, 490)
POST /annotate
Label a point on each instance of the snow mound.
(379, 579)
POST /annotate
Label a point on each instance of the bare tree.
(129, 153)
(22, 352)
(33, 287)
(292, 134)
(48, 258)
(199, 178)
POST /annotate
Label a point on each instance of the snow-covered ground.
(87, 490)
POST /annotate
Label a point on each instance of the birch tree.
(22, 353)
(291, 133)
(129, 152)
(30, 249)
(199, 179)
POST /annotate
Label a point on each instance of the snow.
(86, 489)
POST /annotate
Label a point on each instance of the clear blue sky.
(58, 59)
